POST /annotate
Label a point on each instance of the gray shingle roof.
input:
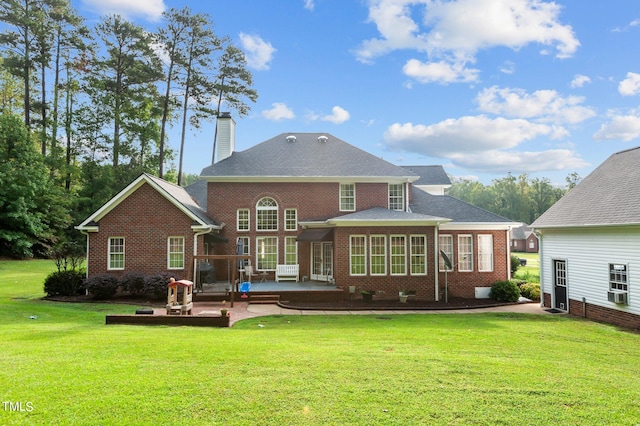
(610, 195)
(304, 157)
(382, 214)
(429, 175)
(183, 197)
(450, 207)
(521, 232)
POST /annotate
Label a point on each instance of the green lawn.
(531, 272)
(67, 367)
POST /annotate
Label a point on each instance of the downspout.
(86, 272)
(437, 260)
(541, 263)
(406, 197)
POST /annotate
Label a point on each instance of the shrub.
(505, 291)
(530, 291)
(65, 283)
(103, 286)
(515, 263)
(156, 285)
(133, 282)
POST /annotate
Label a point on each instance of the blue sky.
(482, 87)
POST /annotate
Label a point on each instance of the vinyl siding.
(588, 253)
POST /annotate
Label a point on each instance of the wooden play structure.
(179, 303)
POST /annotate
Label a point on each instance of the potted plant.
(404, 295)
(224, 312)
(367, 295)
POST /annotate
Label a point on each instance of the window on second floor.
(242, 219)
(290, 220)
(396, 196)
(347, 197)
(267, 214)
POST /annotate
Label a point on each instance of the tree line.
(520, 198)
(94, 108)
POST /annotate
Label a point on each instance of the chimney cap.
(225, 114)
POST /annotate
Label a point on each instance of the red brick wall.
(599, 313)
(463, 284)
(145, 219)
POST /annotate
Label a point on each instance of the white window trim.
(286, 252)
(461, 254)
(109, 267)
(364, 255)
(277, 244)
(286, 222)
(275, 208)
(401, 196)
(340, 197)
(392, 256)
(248, 211)
(481, 255)
(619, 283)
(451, 254)
(411, 245)
(169, 253)
(371, 255)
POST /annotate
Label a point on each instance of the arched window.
(267, 214)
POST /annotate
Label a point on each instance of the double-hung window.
(485, 253)
(396, 196)
(378, 254)
(618, 277)
(242, 219)
(465, 253)
(116, 253)
(175, 253)
(357, 255)
(445, 242)
(290, 251)
(398, 245)
(290, 220)
(418, 254)
(347, 197)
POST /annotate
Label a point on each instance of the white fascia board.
(586, 225)
(383, 222)
(314, 224)
(312, 179)
(478, 226)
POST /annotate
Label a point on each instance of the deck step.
(264, 298)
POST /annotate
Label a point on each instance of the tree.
(233, 85)
(33, 212)
(11, 92)
(121, 78)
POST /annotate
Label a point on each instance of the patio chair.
(248, 272)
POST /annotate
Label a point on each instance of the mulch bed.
(124, 299)
(359, 304)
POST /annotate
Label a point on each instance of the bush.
(505, 291)
(103, 286)
(530, 291)
(133, 282)
(65, 283)
(156, 285)
(515, 263)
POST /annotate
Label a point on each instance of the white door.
(321, 261)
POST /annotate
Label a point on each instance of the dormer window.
(396, 196)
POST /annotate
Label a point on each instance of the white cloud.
(258, 52)
(470, 134)
(541, 105)
(455, 31)
(580, 80)
(338, 115)
(624, 127)
(508, 68)
(482, 144)
(631, 85)
(279, 112)
(308, 4)
(439, 72)
(148, 9)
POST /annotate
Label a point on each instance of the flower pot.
(403, 298)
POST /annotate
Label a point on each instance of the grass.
(371, 369)
(531, 272)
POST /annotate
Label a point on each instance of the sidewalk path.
(243, 310)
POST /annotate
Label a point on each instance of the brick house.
(524, 240)
(342, 215)
(589, 250)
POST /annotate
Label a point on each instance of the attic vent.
(291, 138)
(322, 138)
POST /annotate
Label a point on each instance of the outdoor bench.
(287, 272)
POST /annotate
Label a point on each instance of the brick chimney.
(226, 143)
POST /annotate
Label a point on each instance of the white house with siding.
(590, 245)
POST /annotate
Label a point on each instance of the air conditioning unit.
(619, 297)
